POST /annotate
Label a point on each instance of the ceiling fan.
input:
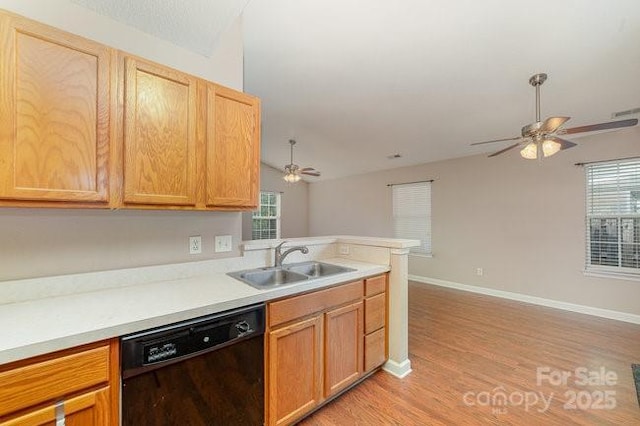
(539, 139)
(293, 172)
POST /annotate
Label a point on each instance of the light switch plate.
(223, 243)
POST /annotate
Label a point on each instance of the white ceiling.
(357, 80)
(194, 24)
(354, 81)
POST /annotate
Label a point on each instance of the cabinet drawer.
(307, 304)
(375, 285)
(374, 312)
(374, 349)
(89, 409)
(52, 378)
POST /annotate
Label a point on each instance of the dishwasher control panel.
(155, 353)
(150, 348)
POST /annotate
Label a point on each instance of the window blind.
(613, 217)
(412, 214)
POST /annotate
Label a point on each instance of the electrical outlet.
(479, 272)
(195, 244)
(344, 249)
(223, 243)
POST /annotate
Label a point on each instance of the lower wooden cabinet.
(75, 387)
(343, 347)
(316, 348)
(89, 409)
(295, 370)
(375, 330)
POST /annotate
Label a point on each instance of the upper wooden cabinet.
(159, 134)
(54, 114)
(187, 143)
(233, 148)
(82, 125)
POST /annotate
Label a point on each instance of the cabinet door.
(343, 347)
(88, 409)
(295, 370)
(233, 148)
(159, 135)
(54, 114)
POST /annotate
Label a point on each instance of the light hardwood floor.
(466, 349)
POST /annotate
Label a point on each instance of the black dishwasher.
(208, 371)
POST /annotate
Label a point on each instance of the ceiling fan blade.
(504, 150)
(307, 169)
(309, 173)
(564, 144)
(497, 140)
(552, 124)
(602, 126)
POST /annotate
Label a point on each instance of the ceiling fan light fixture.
(293, 173)
(549, 148)
(540, 138)
(530, 151)
(291, 177)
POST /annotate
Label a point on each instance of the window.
(266, 220)
(613, 217)
(412, 214)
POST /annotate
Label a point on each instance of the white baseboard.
(398, 369)
(589, 310)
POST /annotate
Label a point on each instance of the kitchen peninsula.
(57, 313)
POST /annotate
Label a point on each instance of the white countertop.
(39, 326)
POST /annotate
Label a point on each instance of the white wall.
(521, 221)
(40, 242)
(294, 211)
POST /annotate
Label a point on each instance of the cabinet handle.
(60, 413)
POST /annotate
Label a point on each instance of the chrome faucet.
(280, 256)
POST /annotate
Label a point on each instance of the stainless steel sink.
(317, 269)
(262, 278)
(268, 277)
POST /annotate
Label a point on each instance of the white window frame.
(610, 194)
(257, 214)
(411, 207)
